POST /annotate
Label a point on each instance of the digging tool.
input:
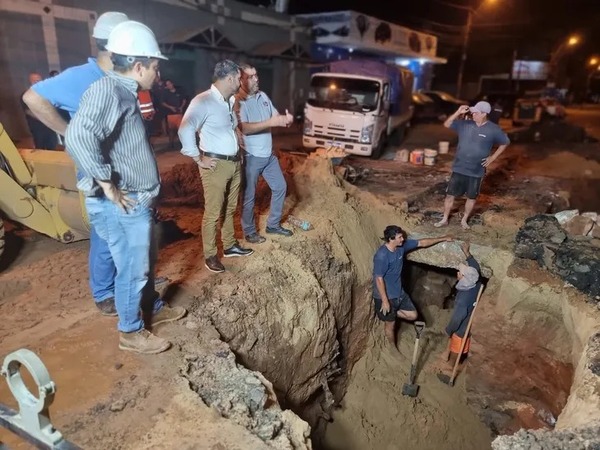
(442, 376)
(411, 389)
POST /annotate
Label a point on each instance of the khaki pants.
(221, 184)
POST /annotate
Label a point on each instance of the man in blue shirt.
(64, 91)
(257, 115)
(391, 301)
(476, 138)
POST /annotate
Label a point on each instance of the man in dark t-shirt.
(391, 301)
(476, 139)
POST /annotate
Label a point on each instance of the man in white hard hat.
(64, 91)
(107, 140)
(477, 136)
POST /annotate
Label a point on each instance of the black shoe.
(107, 307)
(280, 230)
(236, 250)
(255, 238)
(214, 265)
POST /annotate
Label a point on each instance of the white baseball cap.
(481, 107)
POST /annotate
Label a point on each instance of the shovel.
(411, 389)
(449, 380)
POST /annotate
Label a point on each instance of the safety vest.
(146, 105)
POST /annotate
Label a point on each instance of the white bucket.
(402, 155)
(429, 160)
(444, 146)
(430, 152)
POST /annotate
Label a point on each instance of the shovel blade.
(445, 379)
(410, 389)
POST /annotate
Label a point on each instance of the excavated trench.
(300, 313)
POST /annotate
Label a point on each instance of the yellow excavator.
(38, 189)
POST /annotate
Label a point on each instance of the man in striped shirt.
(107, 140)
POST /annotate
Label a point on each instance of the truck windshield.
(347, 94)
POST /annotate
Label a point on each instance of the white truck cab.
(355, 112)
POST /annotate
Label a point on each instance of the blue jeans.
(102, 268)
(271, 171)
(129, 238)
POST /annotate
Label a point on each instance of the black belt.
(219, 156)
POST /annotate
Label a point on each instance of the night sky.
(531, 27)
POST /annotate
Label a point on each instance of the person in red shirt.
(147, 109)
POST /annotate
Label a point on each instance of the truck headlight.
(308, 125)
(366, 134)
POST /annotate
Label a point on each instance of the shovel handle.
(463, 341)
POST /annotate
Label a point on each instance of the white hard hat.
(106, 22)
(133, 38)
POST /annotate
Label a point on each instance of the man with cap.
(107, 139)
(467, 290)
(476, 139)
(64, 91)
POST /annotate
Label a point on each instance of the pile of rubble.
(566, 243)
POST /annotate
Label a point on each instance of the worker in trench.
(477, 136)
(467, 288)
(391, 301)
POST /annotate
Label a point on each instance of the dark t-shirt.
(172, 99)
(463, 305)
(475, 144)
(388, 265)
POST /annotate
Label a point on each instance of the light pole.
(463, 57)
(593, 73)
(556, 56)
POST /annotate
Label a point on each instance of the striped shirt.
(213, 118)
(107, 140)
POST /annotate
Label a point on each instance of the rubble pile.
(567, 244)
(579, 438)
(239, 394)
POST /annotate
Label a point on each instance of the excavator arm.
(38, 189)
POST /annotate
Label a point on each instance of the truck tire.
(378, 151)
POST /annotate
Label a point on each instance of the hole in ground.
(518, 375)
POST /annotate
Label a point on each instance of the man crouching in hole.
(391, 301)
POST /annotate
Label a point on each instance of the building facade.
(40, 36)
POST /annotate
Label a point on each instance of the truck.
(358, 105)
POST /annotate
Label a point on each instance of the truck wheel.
(378, 151)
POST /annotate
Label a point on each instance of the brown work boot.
(214, 265)
(107, 307)
(161, 284)
(142, 341)
(168, 314)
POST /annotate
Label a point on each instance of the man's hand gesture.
(115, 195)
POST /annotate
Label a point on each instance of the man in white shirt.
(257, 116)
(211, 115)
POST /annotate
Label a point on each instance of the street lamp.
(463, 59)
(555, 57)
